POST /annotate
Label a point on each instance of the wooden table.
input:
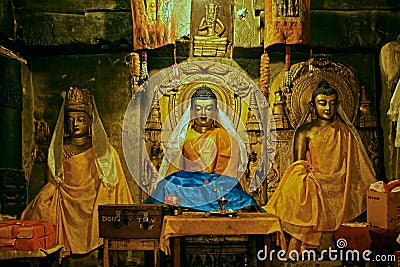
(197, 224)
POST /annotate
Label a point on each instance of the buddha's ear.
(191, 111)
(91, 125)
(311, 107)
(216, 112)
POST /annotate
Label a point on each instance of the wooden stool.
(130, 244)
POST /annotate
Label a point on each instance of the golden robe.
(327, 189)
(73, 204)
(212, 152)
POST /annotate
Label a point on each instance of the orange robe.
(73, 204)
(212, 152)
(327, 189)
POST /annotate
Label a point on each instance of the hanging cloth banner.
(287, 22)
(153, 23)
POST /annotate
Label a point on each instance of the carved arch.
(290, 104)
(147, 117)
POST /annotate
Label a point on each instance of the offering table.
(190, 224)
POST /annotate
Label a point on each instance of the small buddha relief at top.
(288, 8)
(210, 33)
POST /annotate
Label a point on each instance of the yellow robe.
(327, 189)
(212, 152)
(73, 204)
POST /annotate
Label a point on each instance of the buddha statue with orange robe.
(326, 184)
(208, 163)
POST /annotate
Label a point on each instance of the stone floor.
(144, 259)
(124, 260)
(120, 259)
(139, 259)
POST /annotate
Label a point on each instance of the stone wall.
(335, 24)
(83, 43)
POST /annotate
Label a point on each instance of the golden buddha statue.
(84, 172)
(198, 150)
(209, 161)
(209, 41)
(324, 186)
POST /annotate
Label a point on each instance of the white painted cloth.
(394, 112)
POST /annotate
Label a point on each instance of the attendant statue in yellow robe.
(328, 180)
(84, 172)
(204, 160)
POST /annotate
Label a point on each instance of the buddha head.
(325, 101)
(204, 107)
(211, 12)
(78, 112)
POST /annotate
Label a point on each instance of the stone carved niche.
(288, 107)
(156, 110)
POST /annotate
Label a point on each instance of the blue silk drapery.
(200, 190)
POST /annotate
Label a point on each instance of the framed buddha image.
(211, 28)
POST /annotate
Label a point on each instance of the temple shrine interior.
(199, 133)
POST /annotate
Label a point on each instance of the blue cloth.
(196, 190)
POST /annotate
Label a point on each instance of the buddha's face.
(204, 112)
(78, 123)
(326, 106)
(211, 12)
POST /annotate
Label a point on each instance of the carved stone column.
(12, 180)
(10, 121)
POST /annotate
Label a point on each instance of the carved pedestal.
(216, 250)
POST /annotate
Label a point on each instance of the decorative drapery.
(153, 23)
(287, 22)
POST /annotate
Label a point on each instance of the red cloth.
(26, 235)
(153, 23)
(371, 238)
(287, 22)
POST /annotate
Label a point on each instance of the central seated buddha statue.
(204, 159)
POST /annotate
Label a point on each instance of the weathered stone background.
(83, 43)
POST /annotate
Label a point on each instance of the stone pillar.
(12, 179)
(10, 114)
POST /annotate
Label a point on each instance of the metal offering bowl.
(222, 202)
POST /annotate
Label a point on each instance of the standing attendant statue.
(84, 172)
